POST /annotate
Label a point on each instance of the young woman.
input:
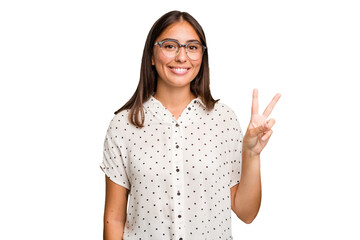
(174, 152)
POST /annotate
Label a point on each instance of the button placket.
(178, 180)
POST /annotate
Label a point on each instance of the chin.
(179, 84)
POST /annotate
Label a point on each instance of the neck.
(174, 98)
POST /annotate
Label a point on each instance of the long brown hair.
(200, 86)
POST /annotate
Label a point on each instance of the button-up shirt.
(179, 171)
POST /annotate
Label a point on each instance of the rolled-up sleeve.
(235, 153)
(113, 164)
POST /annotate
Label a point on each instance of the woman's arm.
(246, 196)
(115, 210)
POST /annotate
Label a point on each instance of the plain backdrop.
(66, 66)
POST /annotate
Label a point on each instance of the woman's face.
(171, 70)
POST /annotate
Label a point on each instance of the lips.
(179, 70)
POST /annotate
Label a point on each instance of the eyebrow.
(192, 40)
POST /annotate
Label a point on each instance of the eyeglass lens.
(193, 50)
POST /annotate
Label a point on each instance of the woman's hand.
(259, 130)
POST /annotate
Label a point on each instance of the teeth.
(181, 70)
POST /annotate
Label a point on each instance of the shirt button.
(177, 146)
(177, 125)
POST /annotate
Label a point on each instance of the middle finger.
(271, 105)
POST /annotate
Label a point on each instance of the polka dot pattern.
(179, 171)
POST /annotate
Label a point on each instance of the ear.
(152, 60)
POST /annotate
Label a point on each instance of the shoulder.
(120, 122)
(225, 110)
(228, 117)
(121, 117)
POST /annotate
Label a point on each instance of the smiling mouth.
(178, 70)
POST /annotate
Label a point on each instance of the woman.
(175, 152)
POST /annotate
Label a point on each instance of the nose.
(182, 55)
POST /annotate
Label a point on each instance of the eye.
(194, 47)
(170, 45)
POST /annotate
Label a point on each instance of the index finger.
(271, 105)
(255, 103)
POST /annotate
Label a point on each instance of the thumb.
(257, 130)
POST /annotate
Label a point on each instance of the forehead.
(181, 31)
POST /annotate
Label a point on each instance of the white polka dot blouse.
(179, 171)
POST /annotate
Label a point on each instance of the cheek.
(159, 59)
(197, 66)
(160, 63)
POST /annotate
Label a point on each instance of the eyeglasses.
(171, 48)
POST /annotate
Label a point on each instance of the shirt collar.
(151, 101)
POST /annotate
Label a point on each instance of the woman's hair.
(199, 86)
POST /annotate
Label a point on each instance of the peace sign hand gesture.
(259, 130)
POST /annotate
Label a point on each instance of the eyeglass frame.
(181, 45)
